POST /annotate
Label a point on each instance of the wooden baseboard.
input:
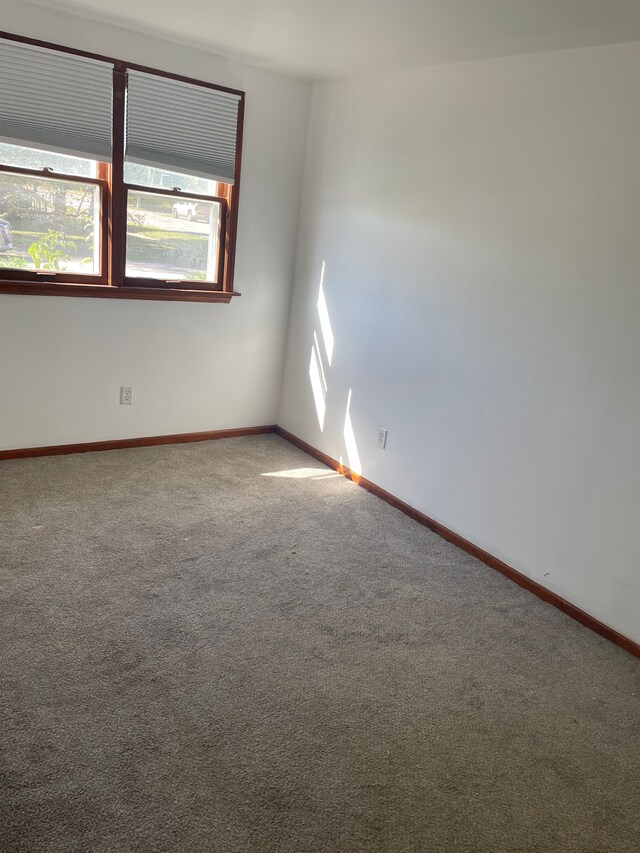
(488, 559)
(120, 443)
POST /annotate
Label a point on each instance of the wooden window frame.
(41, 276)
(112, 282)
(217, 285)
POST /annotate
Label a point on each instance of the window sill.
(105, 291)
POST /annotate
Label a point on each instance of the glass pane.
(31, 158)
(171, 238)
(149, 176)
(49, 224)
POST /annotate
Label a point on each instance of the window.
(115, 180)
(51, 224)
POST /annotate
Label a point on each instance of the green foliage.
(51, 251)
(136, 218)
(14, 262)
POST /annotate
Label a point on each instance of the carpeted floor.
(198, 657)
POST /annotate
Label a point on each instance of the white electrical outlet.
(126, 395)
(382, 438)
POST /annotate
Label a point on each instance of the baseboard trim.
(121, 443)
(464, 544)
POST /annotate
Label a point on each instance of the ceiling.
(335, 38)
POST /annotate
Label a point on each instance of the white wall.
(480, 230)
(193, 366)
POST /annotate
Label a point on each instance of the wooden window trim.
(18, 275)
(112, 282)
(137, 281)
(107, 291)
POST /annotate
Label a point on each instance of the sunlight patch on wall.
(317, 386)
(325, 322)
(321, 368)
(350, 441)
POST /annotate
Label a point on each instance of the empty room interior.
(319, 421)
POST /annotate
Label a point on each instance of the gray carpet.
(198, 657)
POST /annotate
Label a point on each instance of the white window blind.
(55, 101)
(181, 127)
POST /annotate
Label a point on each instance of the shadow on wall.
(320, 367)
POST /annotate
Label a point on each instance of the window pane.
(171, 238)
(149, 176)
(31, 158)
(49, 224)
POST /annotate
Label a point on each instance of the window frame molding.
(100, 279)
(139, 281)
(112, 282)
